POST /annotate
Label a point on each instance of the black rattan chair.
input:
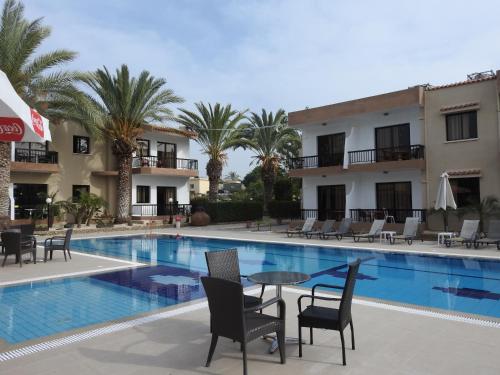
(224, 264)
(14, 244)
(327, 317)
(58, 243)
(229, 318)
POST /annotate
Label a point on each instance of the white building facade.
(364, 158)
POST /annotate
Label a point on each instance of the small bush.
(222, 212)
(284, 209)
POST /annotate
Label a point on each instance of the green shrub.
(284, 209)
(222, 212)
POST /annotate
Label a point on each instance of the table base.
(274, 342)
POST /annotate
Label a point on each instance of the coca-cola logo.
(37, 122)
(11, 129)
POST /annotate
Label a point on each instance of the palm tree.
(19, 41)
(487, 207)
(233, 176)
(267, 136)
(216, 129)
(117, 109)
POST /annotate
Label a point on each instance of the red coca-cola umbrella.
(18, 121)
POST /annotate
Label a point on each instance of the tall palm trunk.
(268, 177)
(4, 178)
(124, 187)
(214, 171)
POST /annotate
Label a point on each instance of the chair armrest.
(326, 286)
(268, 303)
(299, 301)
(243, 276)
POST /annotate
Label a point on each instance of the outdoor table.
(443, 235)
(279, 278)
(386, 235)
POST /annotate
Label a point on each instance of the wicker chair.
(224, 264)
(58, 243)
(15, 244)
(230, 318)
(330, 318)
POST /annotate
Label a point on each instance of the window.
(167, 153)
(29, 200)
(395, 197)
(465, 191)
(192, 186)
(143, 194)
(331, 202)
(461, 126)
(81, 145)
(392, 142)
(78, 190)
(331, 149)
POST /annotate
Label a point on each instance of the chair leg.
(352, 335)
(281, 346)
(213, 344)
(300, 341)
(4, 260)
(65, 259)
(51, 253)
(34, 256)
(311, 335)
(69, 253)
(245, 370)
(343, 346)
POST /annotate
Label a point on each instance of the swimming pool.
(175, 266)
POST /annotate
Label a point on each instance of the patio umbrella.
(445, 198)
(18, 121)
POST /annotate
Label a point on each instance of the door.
(29, 200)
(165, 206)
(167, 155)
(392, 142)
(331, 202)
(395, 198)
(331, 149)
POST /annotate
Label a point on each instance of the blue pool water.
(175, 266)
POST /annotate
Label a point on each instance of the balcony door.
(392, 142)
(167, 155)
(395, 197)
(331, 149)
(163, 195)
(29, 200)
(331, 202)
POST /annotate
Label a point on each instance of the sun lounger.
(492, 236)
(409, 231)
(468, 234)
(375, 230)
(344, 230)
(307, 227)
(325, 228)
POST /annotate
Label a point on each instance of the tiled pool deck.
(388, 341)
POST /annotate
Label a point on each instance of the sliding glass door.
(331, 149)
(331, 202)
(392, 142)
(167, 155)
(395, 197)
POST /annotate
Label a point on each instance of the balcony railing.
(399, 214)
(147, 209)
(25, 155)
(316, 161)
(322, 214)
(154, 161)
(386, 154)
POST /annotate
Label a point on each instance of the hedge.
(284, 209)
(222, 212)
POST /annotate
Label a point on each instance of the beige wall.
(482, 153)
(200, 186)
(75, 169)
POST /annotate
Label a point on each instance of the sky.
(277, 54)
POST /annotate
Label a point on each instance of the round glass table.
(279, 278)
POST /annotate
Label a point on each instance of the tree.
(488, 206)
(117, 109)
(216, 129)
(29, 74)
(233, 176)
(266, 135)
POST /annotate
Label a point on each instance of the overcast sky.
(278, 54)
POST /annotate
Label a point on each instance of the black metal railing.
(146, 209)
(322, 214)
(26, 155)
(154, 161)
(316, 161)
(386, 154)
(399, 215)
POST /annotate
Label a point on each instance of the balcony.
(152, 210)
(366, 214)
(34, 161)
(394, 158)
(165, 166)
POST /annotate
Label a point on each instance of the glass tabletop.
(279, 278)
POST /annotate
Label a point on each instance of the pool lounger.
(375, 230)
(343, 231)
(493, 235)
(308, 225)
(409, 231)
(468, 234)
(325, 228)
